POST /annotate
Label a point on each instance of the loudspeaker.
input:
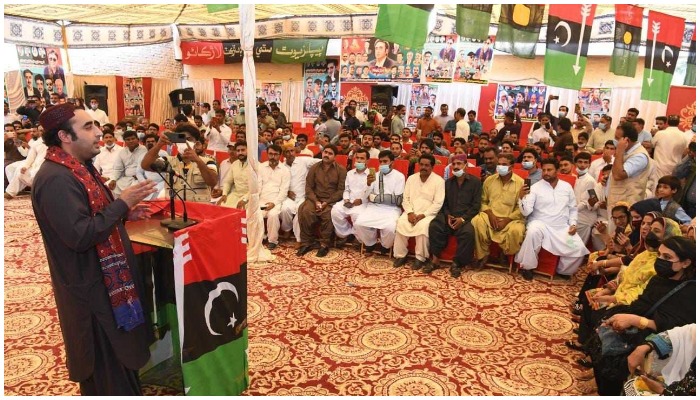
(180, 97)
(98, 91)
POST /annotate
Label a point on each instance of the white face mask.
(93, 106)
(109, 146)
(181, 147)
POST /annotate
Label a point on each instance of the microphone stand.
(175, 224)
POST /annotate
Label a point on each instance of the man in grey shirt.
(397, 123)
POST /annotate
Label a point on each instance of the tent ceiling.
(140, 14)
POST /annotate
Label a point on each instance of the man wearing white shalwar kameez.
(354, 199)
(383, 209)
(299, 168)
(273, 181)
(587, 207)
(551, 211)
(422, 200)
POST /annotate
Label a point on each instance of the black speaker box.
(180, 97)
(98, 91)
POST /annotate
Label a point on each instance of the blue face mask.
(528, 164)
(502, 170)
(561, 114)
(384, 169)
(601, 126)
(458, 173)
(360, 166)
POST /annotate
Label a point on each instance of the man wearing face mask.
(601, 134)
(562, 111)
(384, 193)
(191, 163)
(550, 206)
(462, 200)
(126, 164)
(354, 199)
(500, 220)
(150, 141)
(529, 163)
(587, 205)
(104, 162)
(97, 114)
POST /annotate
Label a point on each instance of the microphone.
(161, 165)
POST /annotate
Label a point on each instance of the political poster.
(231, 95)
(526, 101)
(321, 84)
(133, 105)
(270, 92)
(376, 60)
(594, 101)
(42, 72)
(449, 58)
(422, 95)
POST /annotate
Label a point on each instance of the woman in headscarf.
(669, 295)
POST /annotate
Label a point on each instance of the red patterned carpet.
(342, 325)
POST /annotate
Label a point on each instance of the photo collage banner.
(449, 58)
(270, 91)
(376, 60)
(321, 84)
(422, 95)
(594, 101)
(231, 95)
(42, 72)
(526, 101)
(133, 105)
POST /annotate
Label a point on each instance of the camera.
(176, 137)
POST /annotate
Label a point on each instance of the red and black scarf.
(126, 305)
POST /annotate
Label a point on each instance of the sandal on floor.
(584, 376)
(584, 363)
(573, 345)
(587, 387)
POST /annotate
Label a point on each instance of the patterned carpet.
(342, 325)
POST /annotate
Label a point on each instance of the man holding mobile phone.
(586, 198)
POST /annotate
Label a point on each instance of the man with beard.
(197, 168)
(551, 211)
(141, 175)
(324, 187)
(126, 163)
(234, 185)
(296, 194)
(104, 162)
(273, 180)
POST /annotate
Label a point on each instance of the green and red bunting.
(212, 8)
(519, 29)
(664, 38)
(628, 38)
(473, 20)
(568, 35)
(211, 292)
(405, 24)
(690, 71)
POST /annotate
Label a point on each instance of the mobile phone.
(176, 137)
(555, 97)
(592, 194)
(527, 182)
(617, 231)
(372, 171)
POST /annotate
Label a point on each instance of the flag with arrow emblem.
(568, 35)
(628, 37)
(664, 38)
(690, 70)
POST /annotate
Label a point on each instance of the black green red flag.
(664, 38)
(568, 35)
(628, 38)
(473, 20)
(212, 8)
(690, 71)
(519, 29)
(405, 24)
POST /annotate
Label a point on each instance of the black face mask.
(664, 268)
(652, 241)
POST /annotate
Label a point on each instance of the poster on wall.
(594, 101)
(422, 95)
(376, 60)
(321, 84)
(270, 92)
(474, 61)
(231, 95)
(449, 58)
(42, 72)
(133, 104)
(527, 101)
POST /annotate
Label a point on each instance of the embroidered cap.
(54, 117)
(460, 157)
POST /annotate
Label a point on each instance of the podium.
(208, 276)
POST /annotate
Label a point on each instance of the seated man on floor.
(325, 184)
(423, 197)
(462, 198)
(273, 181)
(354, 199)
(551, 210)
(384, 207)
(500, 220)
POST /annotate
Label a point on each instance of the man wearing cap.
(98, 291)
(296, 194)
(126, 164)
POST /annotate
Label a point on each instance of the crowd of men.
(516, 198)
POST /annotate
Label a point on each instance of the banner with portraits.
(449, 58)
(526, 101)
(594, 101)
(42, 72)
(133, 104)
(422, 95)
(270, 92)
(231, 95)
(321, 84)
(376, 60)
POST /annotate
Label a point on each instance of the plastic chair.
(521, 173)
(570, 179)
(402, 166)
(221, 156)
(439, 170)
(475, 171)
(407, 147)
(443, 159)
(342, 160)
(263, 156)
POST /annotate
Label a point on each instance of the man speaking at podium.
(96, 284)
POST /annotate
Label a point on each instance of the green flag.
(212, 8)
(473, 20)
(405, 24)
(690, 71)
(519, 29)
(664, 38)
(568, 35)
(628, 37)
